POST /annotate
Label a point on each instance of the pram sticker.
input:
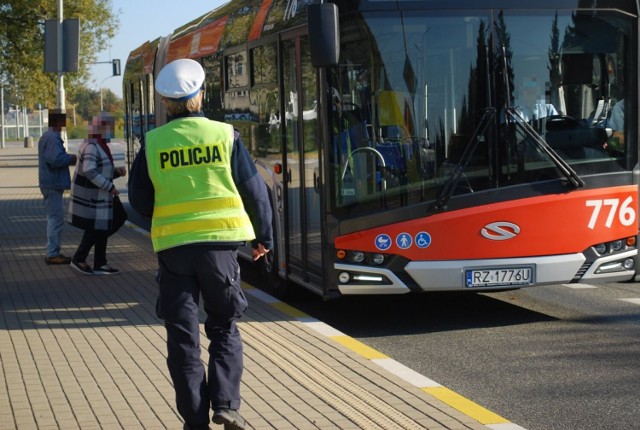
(383, 242)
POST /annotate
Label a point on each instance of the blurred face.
(103, 127)
(57, 122)
(108, 132)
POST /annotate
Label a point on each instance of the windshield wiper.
(567, 171)
(513, 115)
(447, 190)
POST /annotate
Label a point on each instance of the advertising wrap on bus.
(414, 146)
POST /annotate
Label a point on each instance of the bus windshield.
(420, 96)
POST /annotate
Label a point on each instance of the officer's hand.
(73, 159)
(258, 252)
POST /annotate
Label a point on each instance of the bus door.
(302, 163)
(134, 118)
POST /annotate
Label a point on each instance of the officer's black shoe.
(231, 419)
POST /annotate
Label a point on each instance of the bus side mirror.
(324, 34)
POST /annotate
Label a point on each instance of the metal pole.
(2, 114)
(25, 121)
(18, 128)
(40, 119)
(61, 95)
(102, 85)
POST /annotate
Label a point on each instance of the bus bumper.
(452, 275)
(557, 269)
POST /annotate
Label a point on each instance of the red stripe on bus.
(546, 225)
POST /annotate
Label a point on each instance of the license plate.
(499, 277)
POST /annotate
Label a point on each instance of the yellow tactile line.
(445, 395)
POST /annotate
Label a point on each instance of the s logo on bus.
(500, 230)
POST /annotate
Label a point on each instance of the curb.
(428, 386)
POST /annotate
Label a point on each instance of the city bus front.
(481, 149)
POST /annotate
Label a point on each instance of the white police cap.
(180, 80)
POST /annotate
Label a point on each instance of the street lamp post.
(61, 93)
(40, 118)
(17, 122)
(2, 145)
(101, 85)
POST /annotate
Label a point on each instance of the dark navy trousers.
(212, 272)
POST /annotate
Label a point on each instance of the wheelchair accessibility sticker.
(423, 239)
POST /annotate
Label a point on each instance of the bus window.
(422, 96)
(264, 102)
(566, 84)
(212, 104)
(264, 70)
(406, 101)
(136, 110)
(236, 95)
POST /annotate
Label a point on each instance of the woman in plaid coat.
(92, 196)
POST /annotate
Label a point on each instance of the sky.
(142, 21)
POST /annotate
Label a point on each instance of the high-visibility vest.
(196, 199)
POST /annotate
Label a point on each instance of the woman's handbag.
(119, 215)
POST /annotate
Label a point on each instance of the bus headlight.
(344, 277)
(616, 245)
(357, 257)
(377, 259)
(628, 263)
(601, 248)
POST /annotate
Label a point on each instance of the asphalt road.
(544, 358)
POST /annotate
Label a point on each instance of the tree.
(22, 46)
(87, 102)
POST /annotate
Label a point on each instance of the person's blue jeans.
(55, 219)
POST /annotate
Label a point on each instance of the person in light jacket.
(53, 179)
(92, 197)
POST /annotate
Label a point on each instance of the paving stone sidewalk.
(88, 352)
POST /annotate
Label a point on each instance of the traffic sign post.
(70, 45)
(115, 68)
(61, 49)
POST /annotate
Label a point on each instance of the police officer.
(208, 200)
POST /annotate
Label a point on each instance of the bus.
(424, 145)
